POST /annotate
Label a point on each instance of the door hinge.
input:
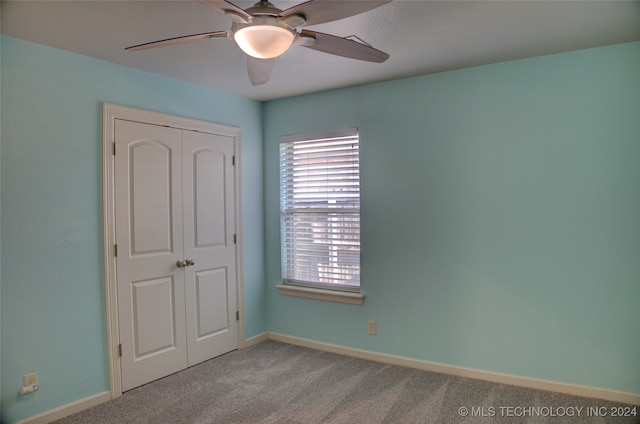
(237, 315)
(114, 149)
(115, 250)
(120, 349)
(235, 239)
(233, 160)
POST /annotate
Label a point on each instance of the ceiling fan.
(264, 32)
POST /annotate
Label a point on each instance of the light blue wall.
(500, 217)
(53, 307)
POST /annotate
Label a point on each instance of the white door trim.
(110, 113)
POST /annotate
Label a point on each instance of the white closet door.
(209, 204)
(151, 303)
(176, 262)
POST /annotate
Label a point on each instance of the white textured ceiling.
(421, 37)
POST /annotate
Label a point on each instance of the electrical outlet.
(30, 379)
(372, 328)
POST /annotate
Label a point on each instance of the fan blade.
(342, 47)
(178, 40)
(226, 8)
(259, 69)
(321, 11)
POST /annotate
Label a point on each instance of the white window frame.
(302, 206)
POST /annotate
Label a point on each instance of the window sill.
(321, 294)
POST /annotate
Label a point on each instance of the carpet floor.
(278, 383)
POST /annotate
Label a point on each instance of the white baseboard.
(255, 340)
(533, 383)
(68, 409)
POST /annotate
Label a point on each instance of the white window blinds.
(320, 209)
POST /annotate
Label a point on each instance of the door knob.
(186, 262)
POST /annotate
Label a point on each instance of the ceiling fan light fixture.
(264, 41)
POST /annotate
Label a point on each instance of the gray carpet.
(279, 383)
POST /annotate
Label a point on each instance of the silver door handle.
(185, 262)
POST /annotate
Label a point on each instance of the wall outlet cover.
(30, 379)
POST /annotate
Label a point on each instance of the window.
(320, 210)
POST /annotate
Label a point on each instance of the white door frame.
(110, 113)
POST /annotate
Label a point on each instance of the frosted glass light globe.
(264, 41)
